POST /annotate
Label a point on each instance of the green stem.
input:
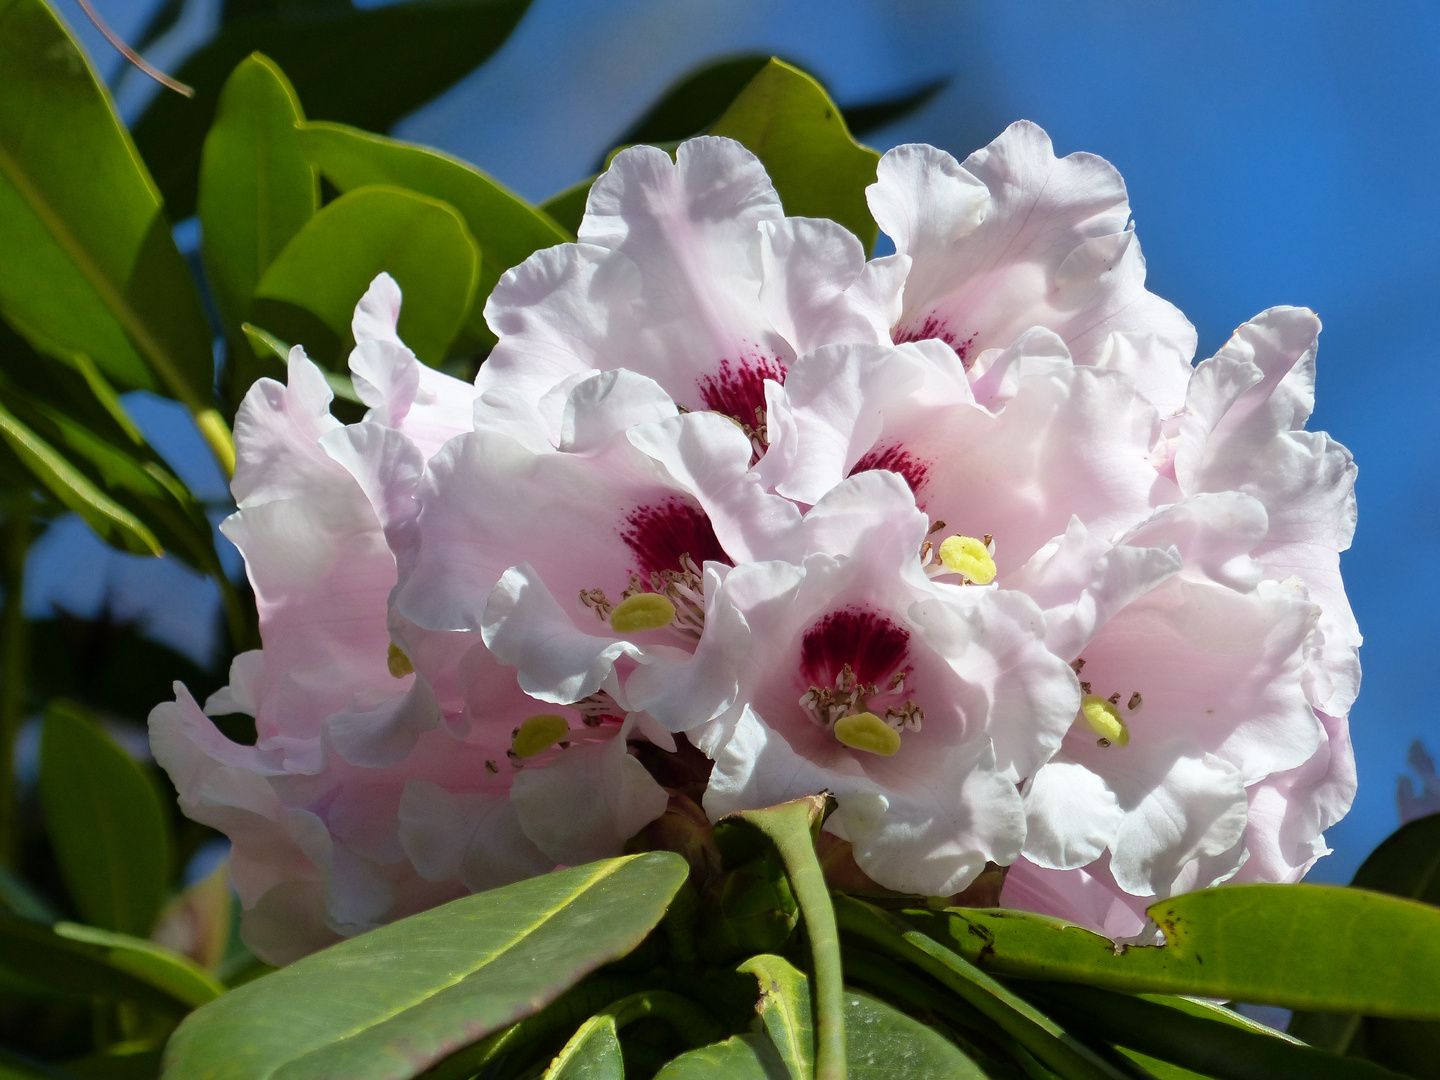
(693, 1024)
(14, 662)
(789, 827)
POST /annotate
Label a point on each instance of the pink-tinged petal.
(1080, 582)
(1087, 896)
(1072, 815)
(378, 313)
(556, 661)
(471, 837)
(378, 734)
(608, 402)
(588, 801)
(245, 689)
(1290, 811)
(1214, 535)
(709, 457)
(817, 289)
(1049, 247)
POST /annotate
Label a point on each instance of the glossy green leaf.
(1037, 1034)
(106, 823)
(784, 1009)
(507, 228)
(1208, 1046)
(111, 521)
(366, 67)
(1296, 946)
(788, 121)
(1407, 862)
(742, 1057)
(82, 963)
(257, 189)
(308, 295)
(695, 101)
(593, 1053)
(885, 1044)
(398, 999)
(87, 263)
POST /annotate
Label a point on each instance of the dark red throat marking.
(895, 459)
(873, 646)
(933, 329)
(659, 535)
(738, 389)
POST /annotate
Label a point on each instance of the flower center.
(1102, 715)
(895, 459)
(972, 559)
(738, 391)
(855, 663)
(934, 327)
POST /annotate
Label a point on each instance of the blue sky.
(1276, 152)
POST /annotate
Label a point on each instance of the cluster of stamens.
(1102, 715)
(827, 705)
(972, 559)
(675, 598)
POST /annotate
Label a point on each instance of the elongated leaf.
(784, 1009)
(257, 190)
(82, 962)
(398, 999)
(593, 1053)
(1407, 862)
(308, 295)
(868, 116)
(507, 228)
(696, 100)
(884, 1044)
(1195, 1042)
(86, 260)
(1297, 946)
(363, 67)
(111, 521)
(106, 823)
(1036, 1033)
(742, 1057)
(788, 121)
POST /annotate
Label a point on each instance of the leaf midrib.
(334, 1041)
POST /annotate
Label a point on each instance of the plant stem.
(788, 827)
(14, 662)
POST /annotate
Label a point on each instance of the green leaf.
(1297, 946)
(396, 1000)
(1208, 1046)
(788, 121)
(1407, 862)
(867, 117)
(364, 67)
(507, 228)
(87, 263)
(784, 1009)
(695, 101)
(1036, 1033)
(593, 1053)
(106, 823)
(308, 295)
(82, 963)
(257, 190)
(111, 521)
(742, 1057)
(884, 1044)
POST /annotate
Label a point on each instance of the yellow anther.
(642, 611)
(1104, 720)
(866, 731)
(538, 733)
(398, 663)
(967, 557)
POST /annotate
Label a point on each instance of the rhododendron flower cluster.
(957, 534)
